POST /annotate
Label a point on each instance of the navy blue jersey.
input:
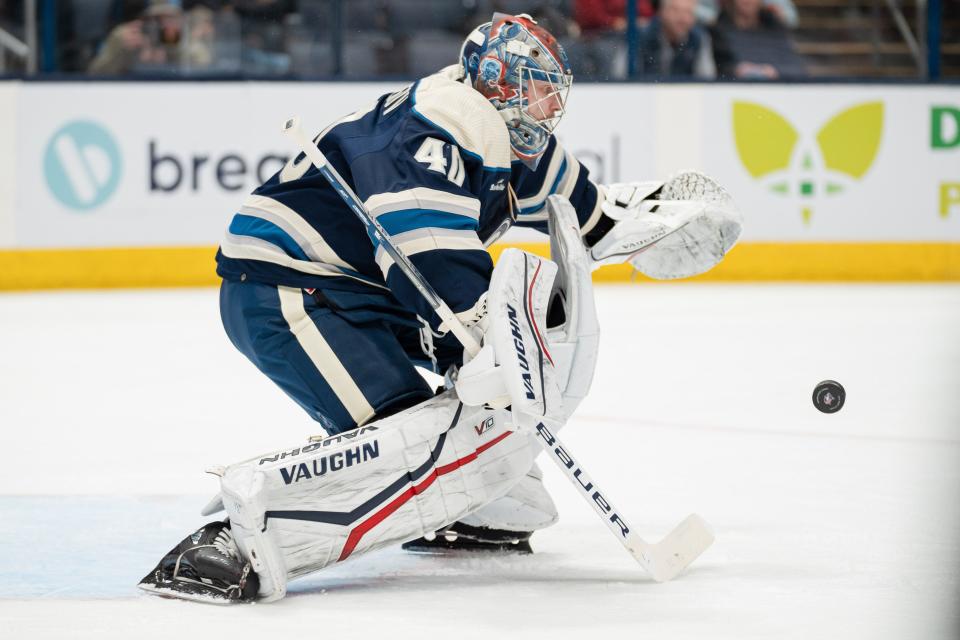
(432, 164)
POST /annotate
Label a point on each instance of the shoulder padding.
(466, 116)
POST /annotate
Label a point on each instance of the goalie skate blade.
(441, 547)
(679, 549)
(174, 594)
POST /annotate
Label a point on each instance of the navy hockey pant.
(343, 357)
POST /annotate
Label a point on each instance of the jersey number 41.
(431, 154)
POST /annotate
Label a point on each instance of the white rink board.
(8, 159)
(154, 164)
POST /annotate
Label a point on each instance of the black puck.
(828, 396)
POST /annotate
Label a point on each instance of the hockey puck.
(828, 396)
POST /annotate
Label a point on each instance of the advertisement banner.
(839, 163)
(862, 180)
(141, 164)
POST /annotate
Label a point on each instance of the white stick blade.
(681, 547)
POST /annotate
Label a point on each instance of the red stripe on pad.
(361, 529)
(543, 343)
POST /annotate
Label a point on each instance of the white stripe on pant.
(322, 356)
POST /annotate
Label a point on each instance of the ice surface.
(828, 526)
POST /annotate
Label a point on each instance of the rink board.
(132, 184)
(757, 262)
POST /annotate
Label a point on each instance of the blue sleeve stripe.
(424, 198)
(242, 225)
(531, 210)
(560, 174)
(396, 222)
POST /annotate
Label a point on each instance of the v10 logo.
(790, 164)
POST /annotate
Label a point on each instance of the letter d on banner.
(944, 127)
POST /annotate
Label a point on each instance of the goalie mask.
(524, 72)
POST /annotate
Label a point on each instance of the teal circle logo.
(82, 165)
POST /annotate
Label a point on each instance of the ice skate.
(204, 567)
(463, 537)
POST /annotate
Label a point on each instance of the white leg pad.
(243, 498)
(298, 510)
(526, 507)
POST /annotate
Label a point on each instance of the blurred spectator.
(785, 10)
(264, 22)
(599, 53)
(122, 11)
(549, 16)
(548, 13)
(392, 42)
(151, 42)
(750, 42)
(198, 40)
(604, 16)
(264, 27)
(673, 45)
(708, 10)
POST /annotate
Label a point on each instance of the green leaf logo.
(768, 148)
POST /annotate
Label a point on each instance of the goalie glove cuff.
(619, 201)
(622, 200)
(599, 230)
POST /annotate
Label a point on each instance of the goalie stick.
(292, 128)
(663, 560)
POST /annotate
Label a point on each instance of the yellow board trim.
(750, 261)
(108, 268)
